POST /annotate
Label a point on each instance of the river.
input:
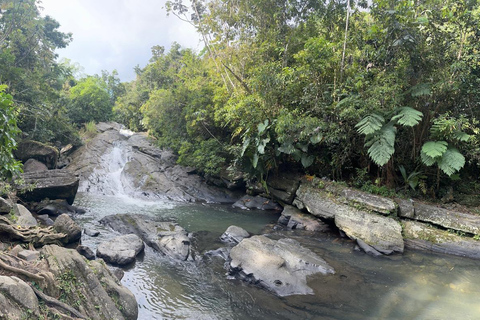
(415, 285)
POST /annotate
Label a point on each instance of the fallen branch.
(56, 303)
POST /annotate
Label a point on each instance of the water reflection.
(413, 286)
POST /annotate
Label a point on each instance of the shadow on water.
(415, 285)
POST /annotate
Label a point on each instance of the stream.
(415, 285)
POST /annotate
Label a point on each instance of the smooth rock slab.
(234, 234)
(280, 266)
(425, 237)
(121, 250)
(381, 233)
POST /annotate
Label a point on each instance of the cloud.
(117, 34)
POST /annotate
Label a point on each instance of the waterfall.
(108, 177)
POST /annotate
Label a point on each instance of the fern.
(370, 124)
(451, 161)
(434, 149)
(461, 136)
(408, 117)
(422, 89)
(381, 144)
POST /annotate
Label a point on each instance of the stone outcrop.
(121, 250)
(52, 184)
(23, 217)
(293, 218)
(64, 224)
(425, 237)
(17, 299)
(234, 234)
(317, 202)
(29, 149)
(381, 233)
(280, 266)
(5, 206)
(256, 202)
(166, 237)
(283, 187)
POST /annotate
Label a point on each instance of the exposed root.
(50, 301)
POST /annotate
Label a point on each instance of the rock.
(105, 126)
(54, 207)
(36, 150)
(424, 237)
(280, 266)
(369, 201)
(67, 149)
(16, 298)
(33, 165)
(121, 250)
(52, 184)
(234, 234)
(405, 208)
(283, 187)
(223, 253)
(23, 217)
(45, 220)
(257, 202)
(65, 224)
(317, 202)
(381, 233)
(15, 250)
(166, 237)
(295, 219)
(5, 206)
(86, 252)
(29, 255)
(91, 233)
(448, 219)
(102, 295)
(367, 249)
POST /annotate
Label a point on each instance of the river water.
(414, 285)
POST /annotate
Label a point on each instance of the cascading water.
(108, 177)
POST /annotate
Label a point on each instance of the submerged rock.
(280, 266)
(234, 234)
(121, 250)
(166, 237)
(257, 202)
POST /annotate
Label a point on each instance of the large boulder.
(17, 299)
(52, 184)
(234, 234)
(32, 165)
(317, 202)
(256, 202)
(296, 219)
(65, 224)
(283, 186)
(5, 206)
(23, 217)
(381, 233)
(92, 288)
(121, 250)
(425, 237)
(36, 150)
(166, 237)
(280, 266)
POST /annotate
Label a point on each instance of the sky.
(117, 34)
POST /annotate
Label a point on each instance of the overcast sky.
(117, 34)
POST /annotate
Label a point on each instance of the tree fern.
(434, 149)
(407, 116)
(370, 124)
(381, 144)
(451, 161)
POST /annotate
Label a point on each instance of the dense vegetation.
(379, 94)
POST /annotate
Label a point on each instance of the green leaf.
(461, 136)
(370, 124)
(287, 148)
(434, 149)
(307, 160)
(316, 138)
(381, 145)
(427, 160)
(262, 144)
(255, 160)
(451, 161)
(408, 116)
(422, 89)
(262, 126)
(246, 143)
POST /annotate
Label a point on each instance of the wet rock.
(52, 184)
(166, 237)
(65, 224)
(36, 150)
(55, 207)
(234, 234)
(28, 255)
(257, 202)
(223, 253)
(94, 283)
(284, 186)
(281, 266)
(33, 165)
(121, 250)
(45, 220)
(23, 217)
(448, 219)
(86, 252)
(16, 297)
(368, 249)
(91, 233)
(425, 237)
(381, 233)
(5, 206)
(295, 219)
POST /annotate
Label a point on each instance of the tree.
(9, 167)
